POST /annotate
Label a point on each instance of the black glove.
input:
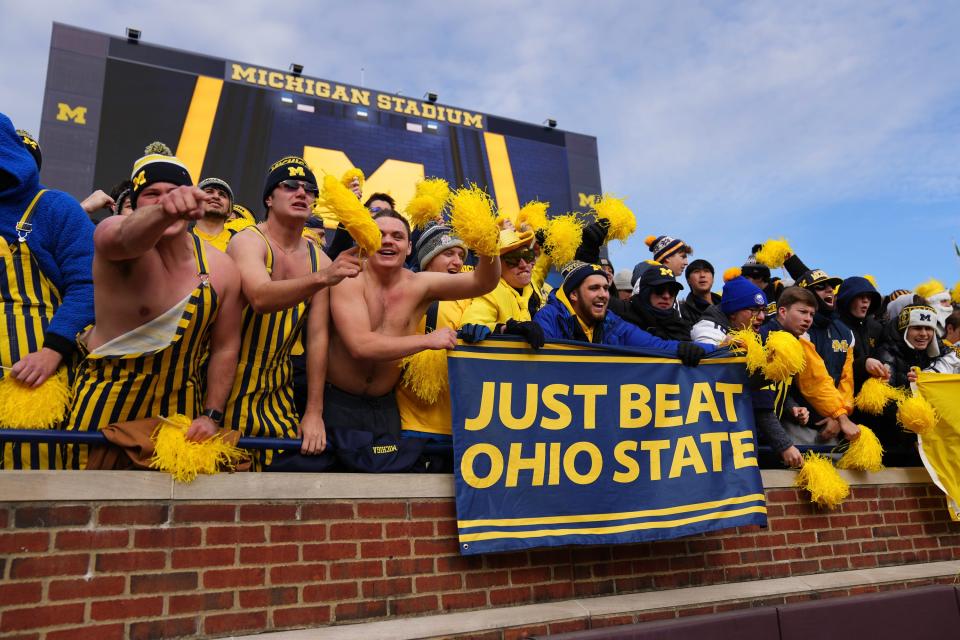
(593, 236)
(529, 331)
(690, 353)
(473, 333)
(541, 236)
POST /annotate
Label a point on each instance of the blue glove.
(473, 332)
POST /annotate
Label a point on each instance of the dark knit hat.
(739, 294)
(753, 269)
(32, 146)
(157, 165)
(574, 273)
(435, 239)
(664, 246)
(219, 184)
(288, 168)
(698, 265)
(658, 276)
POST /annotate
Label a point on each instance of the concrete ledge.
(528, 615)
(94, 486)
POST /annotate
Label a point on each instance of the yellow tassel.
(955, 293)
(473, 220)
(425, 373)
(354, 216)
(916, 414)
(534, 213)
(622, 221)
(183, 459)
(564, 235)
(731, 273)
(774, 252)
(748, 342)
(929, 288)
(351, 175)
(864, 454)
(428, 201)
(818, 476)
(784, 356)
(43, 407)
(874, 396)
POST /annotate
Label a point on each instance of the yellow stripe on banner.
(662, 524)
(502, 174)
(528, 357)
(195, 136)
(601, 517)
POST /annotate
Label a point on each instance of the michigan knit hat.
(219, 184)
(158, 164)
(574, 273)
(30, 142)
(288, 168)
(738, 294)
(665, 246)
(434, 240)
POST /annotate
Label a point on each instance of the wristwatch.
(213, 414)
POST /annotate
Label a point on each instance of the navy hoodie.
(61, 240)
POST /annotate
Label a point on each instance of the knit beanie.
(739, 294)
(288, 168)
(919, 316)
(664, 246)
(576, 272)
(32, 146)
(435, 239)
(698, 265)
(157, 165)
(219, 184)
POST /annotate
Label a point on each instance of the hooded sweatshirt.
(61, 240)
(867, 331)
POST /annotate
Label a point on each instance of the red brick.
(842, 520)
(761, 555)
(20, 593)
(447, 582)
(598, 622)
(356, 570)
(873, 546)
(446, 528)
(134, 514)
(267, 513)
(407, 566)
(521, 633)
(437, 546)
(227, 622)
(301, 616)
(864, 493)
(468, 600)
(559, 591)
(113, 631)
(167, 538)
(515, 560)
(129, 608)
(740, 542)
(269, 597)
(65, 516)
(511, 595)
(386, 549)
(24, 542)
(654, 615)
(786, 524)
(97, 587)
(655, 565)
(91, 539)
(42, 566)
(846, 549)
(163, 582)
(356, 531)
(298, 532)
(530, 576)
(418, 604)
(298, 573)
(330, 592)
(330, 551)
(818, 551)
(225, 578)
(829, 535)
(360, 610)
(680, 563)
(203, 557)
(270, 554)
(235, 535)
(806, 566)
(381, 510)
(327, 511)
(863, 562)
(487, 579)
(567, 626)
(445, 509)
(409, 529)
(455, 563)
(865, 519)
(834, 564)
(209, 601)
(802, 537)
(204, 513)
(166, 628)
(896, 544)
(387, 587)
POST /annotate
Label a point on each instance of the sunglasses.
(295, 185)
(514, 257)
(821, 287)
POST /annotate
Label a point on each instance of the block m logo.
(66, 113)
(587, 201)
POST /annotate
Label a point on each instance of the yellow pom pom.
(425, 373)
(785, 357)
(864, 454)
(929, 288)
(916, 414)
(534, 213)
(429, 199)
(820, 478)
(354, 216)
(564, 235)
(352, 174)
(43, 407)
(621, 218)
(184, 459)
(473, 220)
(874, 396)
(955, 293)
(773, 253)
(747, 342)
(731, 273)
(869, 278)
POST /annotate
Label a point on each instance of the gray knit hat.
(436, 239)
(219, 184)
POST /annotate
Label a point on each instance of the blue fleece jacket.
(61, 240)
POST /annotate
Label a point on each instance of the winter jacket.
(665, 324)
(502, 304)
(867, 331)
(712, 328)
(693, 307)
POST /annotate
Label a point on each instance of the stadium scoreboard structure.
(107, 97)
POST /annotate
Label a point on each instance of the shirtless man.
(376, 316)
(162, 301)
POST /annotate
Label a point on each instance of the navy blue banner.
(580, 445)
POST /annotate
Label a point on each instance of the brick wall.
(172, 568)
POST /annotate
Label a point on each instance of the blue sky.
(836, 125)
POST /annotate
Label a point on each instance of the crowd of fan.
(165, 298)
